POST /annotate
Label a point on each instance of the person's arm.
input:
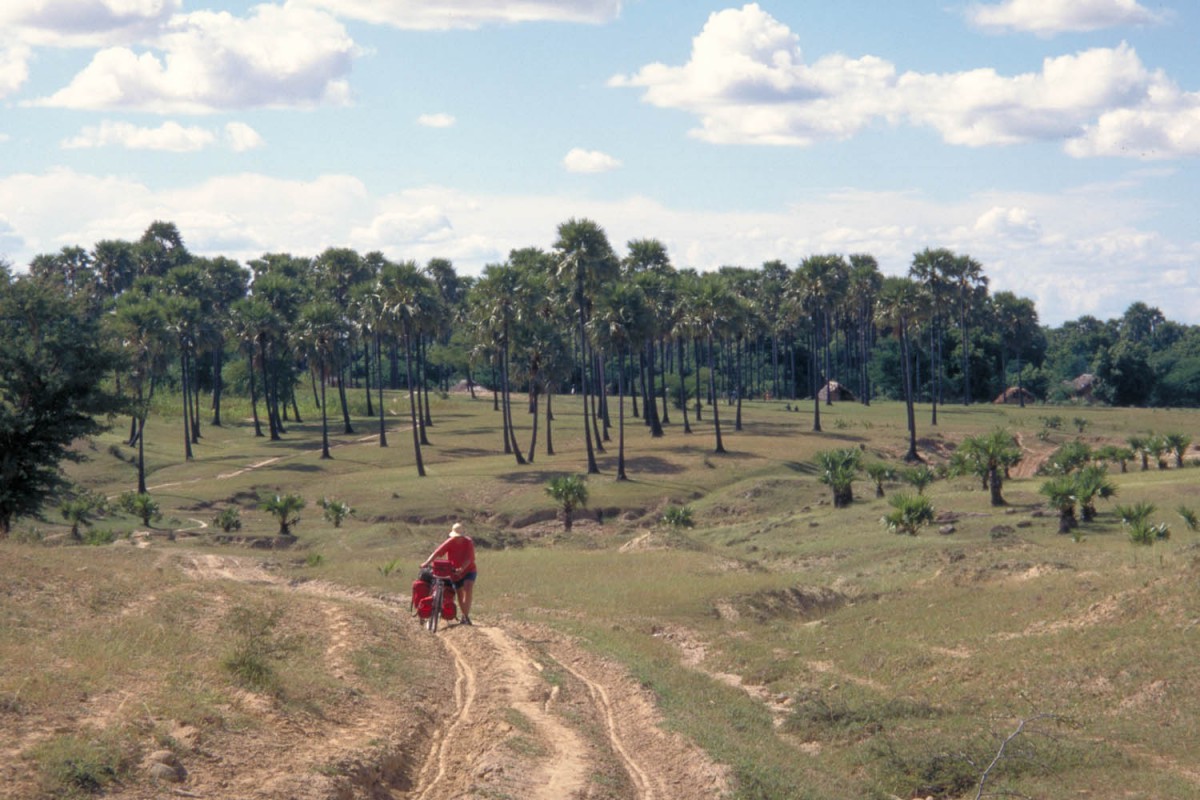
(441, 548)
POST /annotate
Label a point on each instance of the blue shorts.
(470, 576)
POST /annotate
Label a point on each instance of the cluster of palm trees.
(575, 317)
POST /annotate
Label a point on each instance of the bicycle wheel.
(438, 591)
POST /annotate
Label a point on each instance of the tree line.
(150, 317)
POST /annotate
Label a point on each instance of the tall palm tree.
(322, 330)
(713, 305)
(586, 263)
(623, 322)
(899, 304)
(402, 286)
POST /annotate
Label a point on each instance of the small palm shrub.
(335, 510)
(910, 513)
(82, 510)
(570, 492)
(1144, 533)
(142, 506)
(387, 569)
(285, 508)
(678, 517)
(1189, 517)
(838, 471)
(920, 478)
(880, 473)
(229, 519)
(1132, 514)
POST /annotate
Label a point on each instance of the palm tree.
(285, 508)
(991, 455)
(712, 306)
(586, 263)
(910, 513)
(402, 286)
(570, 492)
(1177, 443)
(880, 473)
(1138, 445)
(1060, 491)
(1091, 482)
(899, 304)
(622, 323)
(838, 469)
(321, 333)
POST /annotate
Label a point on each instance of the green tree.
(900, 304)
(880, 473)
(570, 492)
(838, 469)
(991, 455)
(1092, 484)
(1060, 491)
(586, 263)
(52, 363)
(1177, 443)
(285, 508)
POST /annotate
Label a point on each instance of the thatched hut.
(835, 392)
(1015, 395)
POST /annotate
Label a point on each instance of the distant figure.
(459, 549)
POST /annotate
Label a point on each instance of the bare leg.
(464, 597)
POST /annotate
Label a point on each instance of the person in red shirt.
(460, 551)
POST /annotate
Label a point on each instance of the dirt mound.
(798, 601)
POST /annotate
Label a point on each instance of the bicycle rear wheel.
(439, 591)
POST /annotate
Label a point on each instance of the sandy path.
(506, 730)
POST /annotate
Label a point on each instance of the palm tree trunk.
(324, 414)
(621, 417)
(549, 420)
(253, 394)
(383, 442)
(341, 379)
(687, 426)
(412, 406)
(367, 376)
(720, 448)
(187, 405)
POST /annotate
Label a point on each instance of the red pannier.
(421, 589)
(425, 607)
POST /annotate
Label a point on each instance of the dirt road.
(516, 710)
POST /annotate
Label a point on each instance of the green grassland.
(817, 654)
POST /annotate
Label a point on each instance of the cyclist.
(459, 549)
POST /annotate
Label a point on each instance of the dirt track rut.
(531, 714)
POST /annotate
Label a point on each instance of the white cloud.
(1047, 17)
(67, 23)
(747, 82)
(241, 137)
(279, 56)
(580, 160)
(436, 120)
(425, 15)
(170, 136)
(14, 67)
(1084, 251)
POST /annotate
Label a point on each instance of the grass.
(892, 657)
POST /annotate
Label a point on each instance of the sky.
(1057, 142)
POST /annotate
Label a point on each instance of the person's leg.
(464, 597)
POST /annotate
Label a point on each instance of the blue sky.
(1056, 141)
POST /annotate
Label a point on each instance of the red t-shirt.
(461, 552)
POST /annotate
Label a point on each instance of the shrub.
(838, 470)
(1189, 517)
(335, 510)
(387, 569)
(678, 517)
(919, 478)
(229, 520)
(256, 645)
(73, 763)
(142, 506)
(314, 560)
(910, 514)
(570, 492)
(285, 508)
(1143, 533)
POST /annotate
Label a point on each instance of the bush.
(72, 763)
(229, 520)
(256, 645)
(142, 506)
(678, 517)
(335, 510)
(910, 514)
